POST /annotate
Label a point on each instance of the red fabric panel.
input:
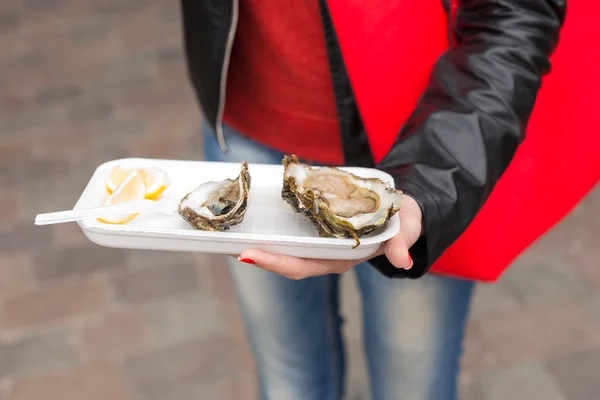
(389, 53)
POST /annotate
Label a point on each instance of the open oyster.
(216, 206)
(338, 203)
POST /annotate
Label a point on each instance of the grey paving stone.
(520, 382)
(58, 302)
(492, 298)
(25, 237)
(36, 353)
(545, 282)
(148, 259)
(142, 285)
(579, 374)
(60, 93)
(592, 307)
(586, 262)
(183, 318)
(476, 354)
(79, 260)
(9, 21)
(189, 364)
(540, 333)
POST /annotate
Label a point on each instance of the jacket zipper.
(224, 71)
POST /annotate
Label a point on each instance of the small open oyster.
(217, 206)
(338, 203)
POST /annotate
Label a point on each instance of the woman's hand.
(395, 249)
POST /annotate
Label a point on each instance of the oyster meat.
(217, 205)
(338, 203)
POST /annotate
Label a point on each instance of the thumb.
(396, 249)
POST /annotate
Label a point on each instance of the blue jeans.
(413, 329)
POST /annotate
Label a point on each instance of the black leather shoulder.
(472, 116)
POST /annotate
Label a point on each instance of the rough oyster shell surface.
(338, 203)
(217, 205)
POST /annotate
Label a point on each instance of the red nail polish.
(247, 260)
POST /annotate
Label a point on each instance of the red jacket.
(554, 168)
(445, 119)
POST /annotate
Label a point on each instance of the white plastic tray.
(270, 224)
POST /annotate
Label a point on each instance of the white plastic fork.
(163, 206)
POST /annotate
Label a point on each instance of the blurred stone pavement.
(85, 81)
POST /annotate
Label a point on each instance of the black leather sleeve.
(471, 118)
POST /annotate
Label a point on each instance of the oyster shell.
(338, 203)
(217, 205)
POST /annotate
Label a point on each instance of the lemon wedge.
(116, 176)
(155, 180)
(131, 189)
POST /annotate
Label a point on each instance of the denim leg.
(293, 326)
(413, 333)
(294, 330)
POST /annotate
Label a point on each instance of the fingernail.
(246, 260)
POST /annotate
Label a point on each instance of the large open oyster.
(216, 206)
(338, 203)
